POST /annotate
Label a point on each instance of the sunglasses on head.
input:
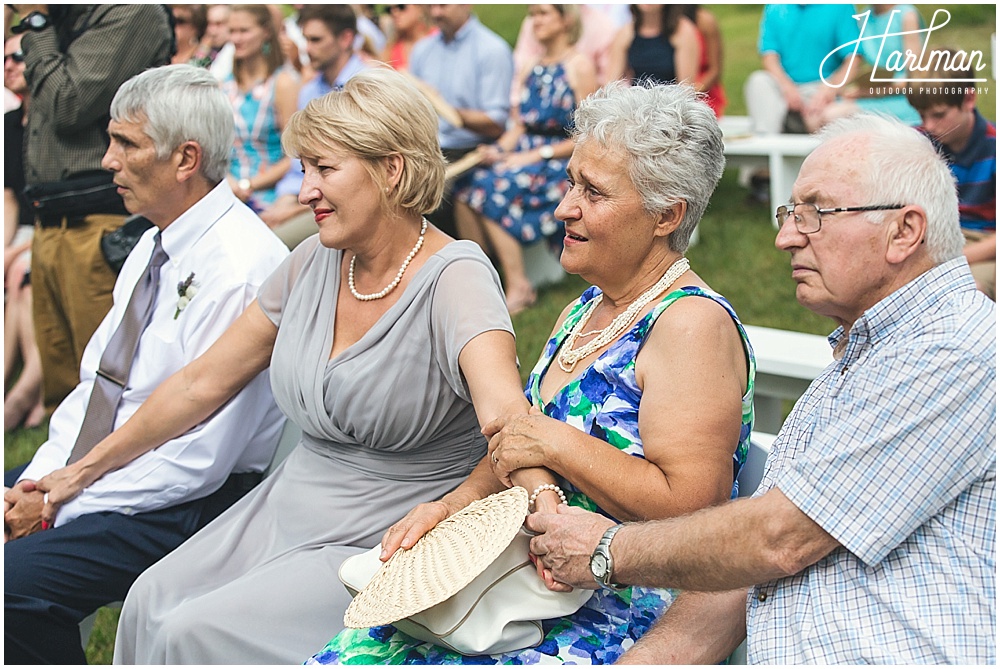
(17, 56)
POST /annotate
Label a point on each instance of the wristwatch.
(34, 21)
(546, 152)
(601, 562)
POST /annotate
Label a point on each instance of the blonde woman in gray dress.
(388, 343)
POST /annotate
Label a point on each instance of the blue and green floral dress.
(524, 200)
(603, 402)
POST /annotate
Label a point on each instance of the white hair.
(671, 140)
(904, 168)
(176, 104)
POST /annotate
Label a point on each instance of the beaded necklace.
(568, 356)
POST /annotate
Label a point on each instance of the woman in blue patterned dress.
(641, 403)
(263, 94)
(512, 200)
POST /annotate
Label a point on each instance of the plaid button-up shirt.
(892, 450)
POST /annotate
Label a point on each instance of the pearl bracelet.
(546, 486)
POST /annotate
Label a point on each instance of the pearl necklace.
(399, 275)
(568, 356)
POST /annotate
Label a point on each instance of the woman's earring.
(266, 49)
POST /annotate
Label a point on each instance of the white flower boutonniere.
(186, 290)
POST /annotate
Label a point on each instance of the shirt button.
(762, 596)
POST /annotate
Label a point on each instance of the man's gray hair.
(671, 140)
(176, 104)
(904, 168)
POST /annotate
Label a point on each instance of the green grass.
(735, 255)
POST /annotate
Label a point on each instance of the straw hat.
(442, 562)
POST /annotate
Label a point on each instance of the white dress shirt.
(231, 252)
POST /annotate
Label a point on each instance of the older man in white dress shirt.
(188, 278)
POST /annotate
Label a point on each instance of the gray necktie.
(112, 374)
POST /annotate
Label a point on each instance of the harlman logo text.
(928, 60)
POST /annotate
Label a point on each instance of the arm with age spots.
(698, 551)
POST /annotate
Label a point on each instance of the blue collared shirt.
(892, 451)
(318, 86)
(472, 71)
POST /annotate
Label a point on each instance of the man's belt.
(244, 481)
(56, 221)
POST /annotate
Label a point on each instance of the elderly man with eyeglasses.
(872, 537)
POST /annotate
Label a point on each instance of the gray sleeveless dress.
(386, 424)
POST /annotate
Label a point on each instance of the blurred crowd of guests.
(505, 124)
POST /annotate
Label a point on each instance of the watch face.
(598, 565)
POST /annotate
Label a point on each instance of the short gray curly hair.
(672, 142)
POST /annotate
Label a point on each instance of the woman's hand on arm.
(182, 401)
(521, 441)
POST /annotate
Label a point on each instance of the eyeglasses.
(17, 56)
(808, 217)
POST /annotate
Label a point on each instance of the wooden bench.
(787, 362)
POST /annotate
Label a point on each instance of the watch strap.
(604, 546)
(34, 21)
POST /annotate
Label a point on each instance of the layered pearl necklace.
(568, 356)
(399, 275)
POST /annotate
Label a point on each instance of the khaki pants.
(297, 229)
(766, 104)
(985, 273)
(72, 294)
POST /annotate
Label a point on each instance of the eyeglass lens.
(17, 56)
(806, 217)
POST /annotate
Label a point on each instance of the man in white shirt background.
(187, 279)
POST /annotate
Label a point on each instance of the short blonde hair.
(377, 114)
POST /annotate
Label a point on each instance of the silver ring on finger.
(493, 456)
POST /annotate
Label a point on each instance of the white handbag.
(500, 611)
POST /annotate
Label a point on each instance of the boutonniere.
(186, 290)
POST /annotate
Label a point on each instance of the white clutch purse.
(457, 602)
